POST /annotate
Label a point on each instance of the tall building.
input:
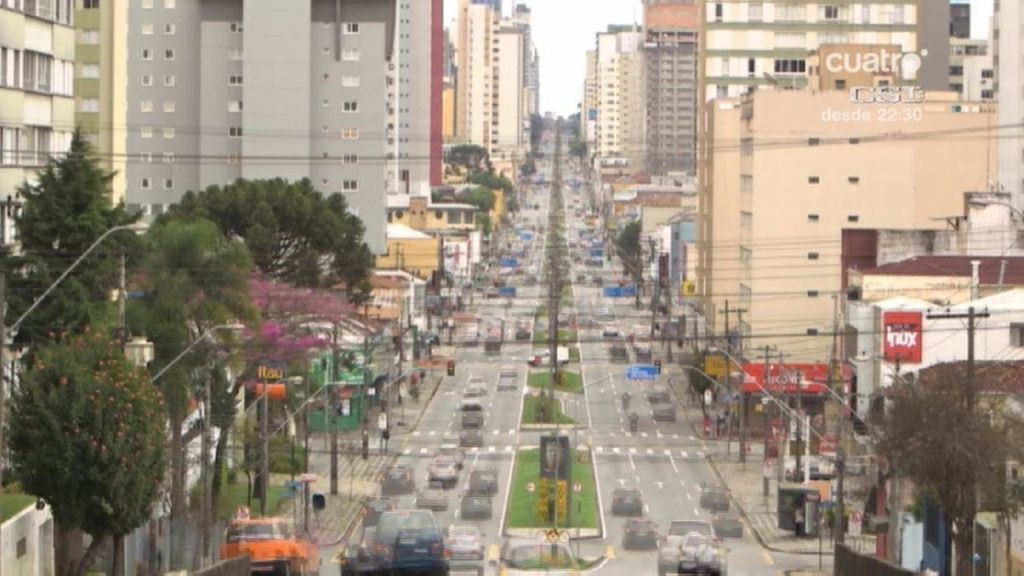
(1009, 67)
(671, 68)
(474, 94)
(960, 19)
(37, 105)
(752, 43)
(531, 65)
(101, 82)
(971, 73)
(621, 99)
(588, 112)
(508, 133)
(779, 200)
(253, 89)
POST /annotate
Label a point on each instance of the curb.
(743, 513)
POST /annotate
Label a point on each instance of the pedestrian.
(798, 520)
(384, 437)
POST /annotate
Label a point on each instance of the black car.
(727, 525)
(483, 481)
(663, 412)
(471, 438)
(373, 508)
(403, 542)
(627, 502)
(475, 506)
(398, 481)
(639, 534)
(714, 499)
(658, 394)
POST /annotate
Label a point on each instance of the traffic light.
(451, 367)
(319, 502)
(657, 366)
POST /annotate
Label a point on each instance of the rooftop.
(957, 266)
(403, 232)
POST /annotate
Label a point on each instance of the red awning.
(789, 378)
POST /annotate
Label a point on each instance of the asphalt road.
(664, 460)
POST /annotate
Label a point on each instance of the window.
(718, 12)
(235, 80)
(235, 106)
(853, 218)
(349, 185)
(813, 255)
(831, 12)
(853, 179)
(839, 84)
(351, 28)
(790, 66)
(235, 27)
(147, 79)
(235, 132)
(169, 80)
(351, 54)
(987, 73)
(146, 106)
(169, 106)
(89, 36)
(746, 183)
(144, 183)
(813, 179)
(350, 106)
(89, 71)
(147, 54)
(325, 103)
(854, 140)
(169, 3)
(146, 132)
(956, 70)
(169, 29)
(169, 54)
(168, 132)
(147, 29)
(813, 217)
(987, 94)
(147, 4)
(350, 133)
(89, 105)
(812, 293)
(91, 4)
(168, 184)
(812, 331)
(813, 141)
(350, 81)
(350, 159)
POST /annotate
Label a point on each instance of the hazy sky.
(564, 29)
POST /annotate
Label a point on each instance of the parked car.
(403, 542)
(432, 499)
(475, 507)
(727, 525)
(643, 353)
(617, 353)
(465, 547)
(627, 502)
(471, 438)
(442, 472)
(610, 331)
(475, 388)
(712, 498)
(639, 534)
(472, 414)
(398, 481)
(483, 481)
(663, 412)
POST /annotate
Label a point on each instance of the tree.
(469, 158)
(954, 449)
(87, 436)
(193, 278)
(536, 130)
(628, 243)
(482, 198)
(63, 213)
(578, 148)
(293, 232)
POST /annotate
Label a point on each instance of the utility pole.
(207, 496)
(332, 410)
(265, 460)
(767, 421)
(739, 330)
(784, 440)
(3, 376)
(839, 526)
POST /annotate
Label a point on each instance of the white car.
(610, 331)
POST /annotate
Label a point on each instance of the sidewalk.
(744, 483)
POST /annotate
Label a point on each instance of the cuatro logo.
(883, 61)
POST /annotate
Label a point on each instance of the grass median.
(533, 404)
(571, 382)
(584, 512)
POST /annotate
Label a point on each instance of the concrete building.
(475, 94)
(588, 112)
(621, 99)
(959, 19)
(521, 17)
(1009, 67)
(670, 51)
(752, 43)
(779, 262)
(101, 82)
(971, 72)
(37, 106)
(253, 90)
(410, 250)
(509, 139)
(26, 542)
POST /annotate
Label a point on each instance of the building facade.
(475, 95)
(670, 51)
(1009, 67)
(971, 72)
(781, 264)
(588, 112)
(257, 90)
(509, 140)
(621, 101)
(37, 105)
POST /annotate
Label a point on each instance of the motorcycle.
(625, 401)
(634, 421)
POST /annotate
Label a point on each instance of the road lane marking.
(689, 497)
(643, 434)
(659, 484)
(632, 451)
(767, 558)
(673, 463)
(491, 448)
(650, 451)
(434, 432)
(696, 512)
(415, 433)
(407, 451)
(609, 552)
(599, 449)
(685, 454)
(631, 463)
(615, 449)
(423, 450)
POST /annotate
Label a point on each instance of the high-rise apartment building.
(670, 52)
(531, 64)
(971, 73)
(588, 111)
(37, 105)
(474, 94)
(620, 99)
(508, 134)
(753, 43)
(341, 94)
(1009, 67)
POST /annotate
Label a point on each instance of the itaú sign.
(902, 337)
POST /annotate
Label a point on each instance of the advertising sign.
(555, 457)
(715, 365)
(902, 337)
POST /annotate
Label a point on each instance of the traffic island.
(541, 412)
(527, 516)
(568, 382)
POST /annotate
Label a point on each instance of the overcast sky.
(563, 31)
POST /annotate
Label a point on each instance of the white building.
(475, 91)
(621, 102)
(511, 110)
(1008, 21)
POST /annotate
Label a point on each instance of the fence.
(234, 567)
(851, 563)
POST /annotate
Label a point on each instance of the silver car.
(435, 500)
(443, 472)
(465, 548)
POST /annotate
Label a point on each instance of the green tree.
(482, 198)
(469, 158)
(536, 130)
(64, 212)
(493, 181)
(293, 232)
(193, 278)
(628, 243)
(87, 436)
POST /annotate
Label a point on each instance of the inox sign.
(902, 335)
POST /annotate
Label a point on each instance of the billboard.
(555, 457)
(902, 336)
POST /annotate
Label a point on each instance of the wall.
(26, 543)
(850, 563)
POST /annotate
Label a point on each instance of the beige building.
(509, 138)
(971, 70)
(588, 115)
(621, 102)
(37, 106)
(475, 92)
(791, 169)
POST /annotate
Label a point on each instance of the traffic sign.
(531, 487)
(708, 397)
(577, 487)
(642, 372)
(308, 478)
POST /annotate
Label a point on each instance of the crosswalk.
(667, 452)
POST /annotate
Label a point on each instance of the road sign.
(308, 478)
(531, 487)
(509, 263)
(708, 397)
(642, 372)
(714, 365)
(612, 292)
(293, 485)
(577, 487)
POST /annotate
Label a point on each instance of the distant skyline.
(564, 30)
